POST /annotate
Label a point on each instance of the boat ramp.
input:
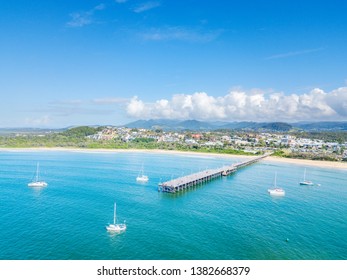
(185, 182)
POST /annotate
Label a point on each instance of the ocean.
(228, 218)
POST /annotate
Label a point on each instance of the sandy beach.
(317, 163)
(306, 162)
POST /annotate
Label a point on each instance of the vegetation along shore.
(318, 148)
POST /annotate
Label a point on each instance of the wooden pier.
(185, 182)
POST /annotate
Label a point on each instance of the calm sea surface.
(228, 218)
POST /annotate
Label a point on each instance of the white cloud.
(79, 20)
(111, 100)
(338, 100)
(146, 7)
(120, 1)
(136, 108)
(83, 18)
(41, 121)
(179, 34)
(71, 102)
(239, 105)
(82, 107)
(99, 7)
(293, 53)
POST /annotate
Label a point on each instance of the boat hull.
(306, 183)
(116, 227)
(143, 179)
(276, 192)
(37, 184)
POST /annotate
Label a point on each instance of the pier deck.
(185, 182)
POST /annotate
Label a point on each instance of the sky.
(110, 62)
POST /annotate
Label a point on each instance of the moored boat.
(276, 191)
(141, 177)
(37, 182)
(116, 227)
(306, 182)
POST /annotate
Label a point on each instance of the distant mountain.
(195, 125)
(241, 126)
(277, 126)
(201, 126)
(153, 124)
(322, 126)
(171, 124)
(273, 126)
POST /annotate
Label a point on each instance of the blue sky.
(88, 62)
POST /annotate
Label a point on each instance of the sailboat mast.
(305, 175)
(37, 172)
(114, 214)
(275, 179)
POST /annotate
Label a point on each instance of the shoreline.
(307, 162)
(318, 163)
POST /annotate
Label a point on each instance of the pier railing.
(186, 182)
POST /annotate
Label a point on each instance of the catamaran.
(37, 182)
(276, 191)
(141, 177)
(116, 227)
(306, 182)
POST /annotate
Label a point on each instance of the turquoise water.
(228, 218)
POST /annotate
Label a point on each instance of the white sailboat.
(116, 227)
(306, 182)
(276, 191)
(141, 177)
(37, 182)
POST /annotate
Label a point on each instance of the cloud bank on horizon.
(240, 105)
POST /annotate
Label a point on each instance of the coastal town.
(287, 145)
(318, 145)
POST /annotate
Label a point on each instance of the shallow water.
(229, 218)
